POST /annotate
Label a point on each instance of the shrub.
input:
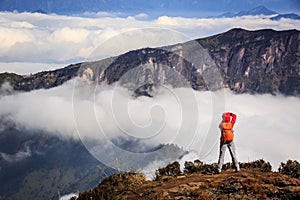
(172, 169)
(199, 167)
(257, 164)
(291, 168)
(114, 186)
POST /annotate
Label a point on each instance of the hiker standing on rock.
(226, 126)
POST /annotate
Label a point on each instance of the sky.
(187, 8)
(32, 42)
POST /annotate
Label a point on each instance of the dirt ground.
(246, 184)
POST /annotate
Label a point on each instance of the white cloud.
(267, 126)
(40, 38)
(68, 196)
(69, 35)
(21, 24)
(141, 16)
(12, 36)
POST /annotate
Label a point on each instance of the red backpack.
(227, 132)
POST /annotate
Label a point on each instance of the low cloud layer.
(267, 126)
(52, 40)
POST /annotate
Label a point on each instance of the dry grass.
(116, 186)
(254, 181)
(291, 168)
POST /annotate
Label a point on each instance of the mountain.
(199, 181)
(262, 61)
(260, 10)
(40, 80)
(38, 165)
(39, 11)
(286, 16)
(35, 165)
(226, 15)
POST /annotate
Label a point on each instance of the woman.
(226, 140)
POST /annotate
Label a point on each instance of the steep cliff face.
(154, 67)
(264, 61)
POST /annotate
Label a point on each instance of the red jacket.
(228, 117)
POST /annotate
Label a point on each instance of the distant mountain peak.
(259, 10)
(39, 11)
(286, 16)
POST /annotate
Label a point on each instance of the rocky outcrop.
(263, 61)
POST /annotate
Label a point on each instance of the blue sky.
(151, 7)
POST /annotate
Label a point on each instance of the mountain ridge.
(261, 61)
(260, 10)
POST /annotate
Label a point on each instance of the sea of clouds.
(32, 42)
(266, 127)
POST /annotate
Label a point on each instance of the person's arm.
(221, 127)
(233, 119)
(221, 130)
